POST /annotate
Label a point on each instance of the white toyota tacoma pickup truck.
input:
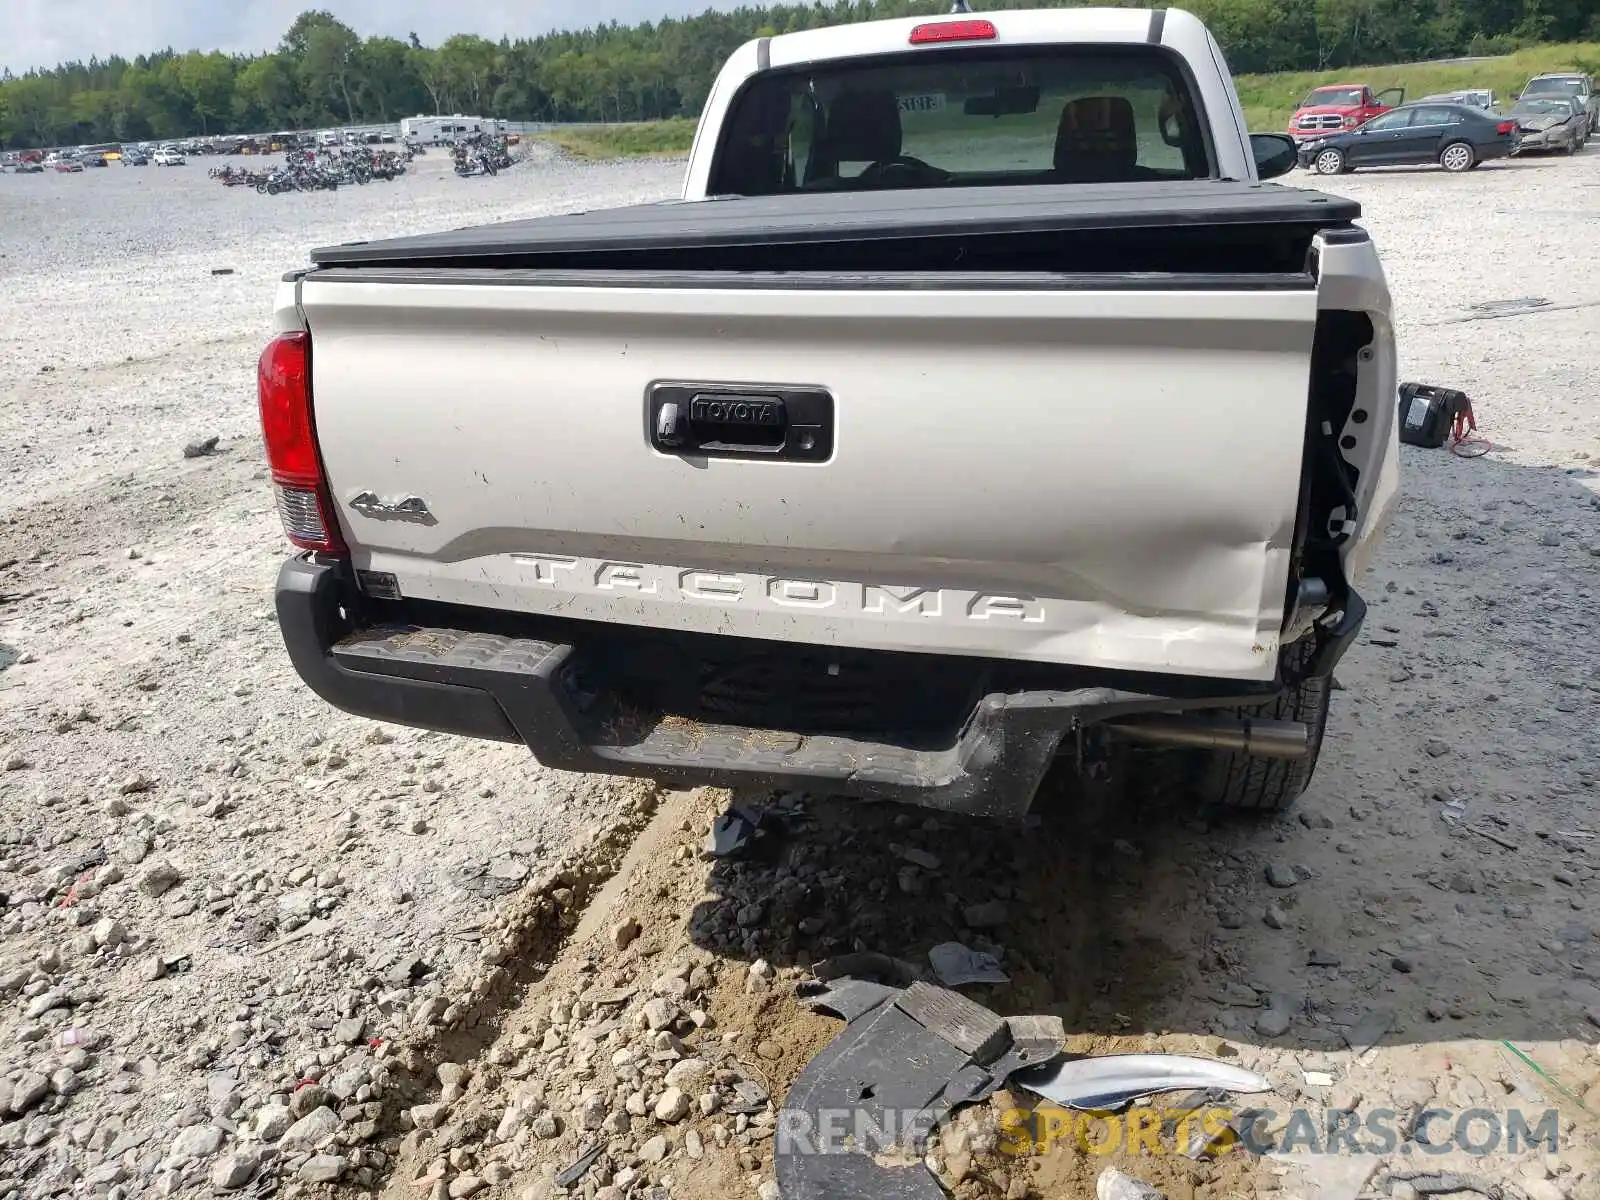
(978, 405)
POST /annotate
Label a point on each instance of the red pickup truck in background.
(1339, 106)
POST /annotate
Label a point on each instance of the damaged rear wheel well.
(1328, 507)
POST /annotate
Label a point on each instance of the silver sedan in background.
(1557, 123)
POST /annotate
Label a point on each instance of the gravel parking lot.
(248, 943)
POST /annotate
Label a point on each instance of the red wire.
(1461, 444)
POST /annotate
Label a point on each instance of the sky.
(42, 33)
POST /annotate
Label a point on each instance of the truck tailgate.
(1096, 471)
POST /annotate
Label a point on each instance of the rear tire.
(1457, 157)
(1270, 785)
(1330, 162)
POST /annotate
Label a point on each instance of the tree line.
(324, 73)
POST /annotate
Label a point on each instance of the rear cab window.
(965, 117)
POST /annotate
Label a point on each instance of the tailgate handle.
(740, 421)
(734, 421)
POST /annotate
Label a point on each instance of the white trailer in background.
(431, 131)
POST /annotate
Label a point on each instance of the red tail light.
(952, 31)
(1506, 127)
(283, 384)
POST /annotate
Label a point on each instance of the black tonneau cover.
(771, 222)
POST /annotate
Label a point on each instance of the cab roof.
(1012, 27)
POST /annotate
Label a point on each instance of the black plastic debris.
(1034, 1041)
(580, 1168)
(955, 965)
(904, 1061)
(869, 964)
(742, 831)
(846, 999)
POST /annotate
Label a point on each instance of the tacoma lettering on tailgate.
(889, 601)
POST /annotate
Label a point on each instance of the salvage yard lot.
(1269, 99)
(246, 939)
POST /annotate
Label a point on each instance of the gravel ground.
(229, 911)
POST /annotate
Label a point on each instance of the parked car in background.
(1455, 136)
(133, 157)
(1340, 106)
(1553, 123)
(1567, 83)
(168, 156)
(1483, 98)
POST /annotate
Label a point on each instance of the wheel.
(1271, 785)
(1330, 162)
(1457, 157)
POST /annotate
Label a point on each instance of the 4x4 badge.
(406, 508)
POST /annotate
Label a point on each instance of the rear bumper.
(535, 691)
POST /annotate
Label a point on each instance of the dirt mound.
(665, 1032)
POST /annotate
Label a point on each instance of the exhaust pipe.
(1262, 739)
